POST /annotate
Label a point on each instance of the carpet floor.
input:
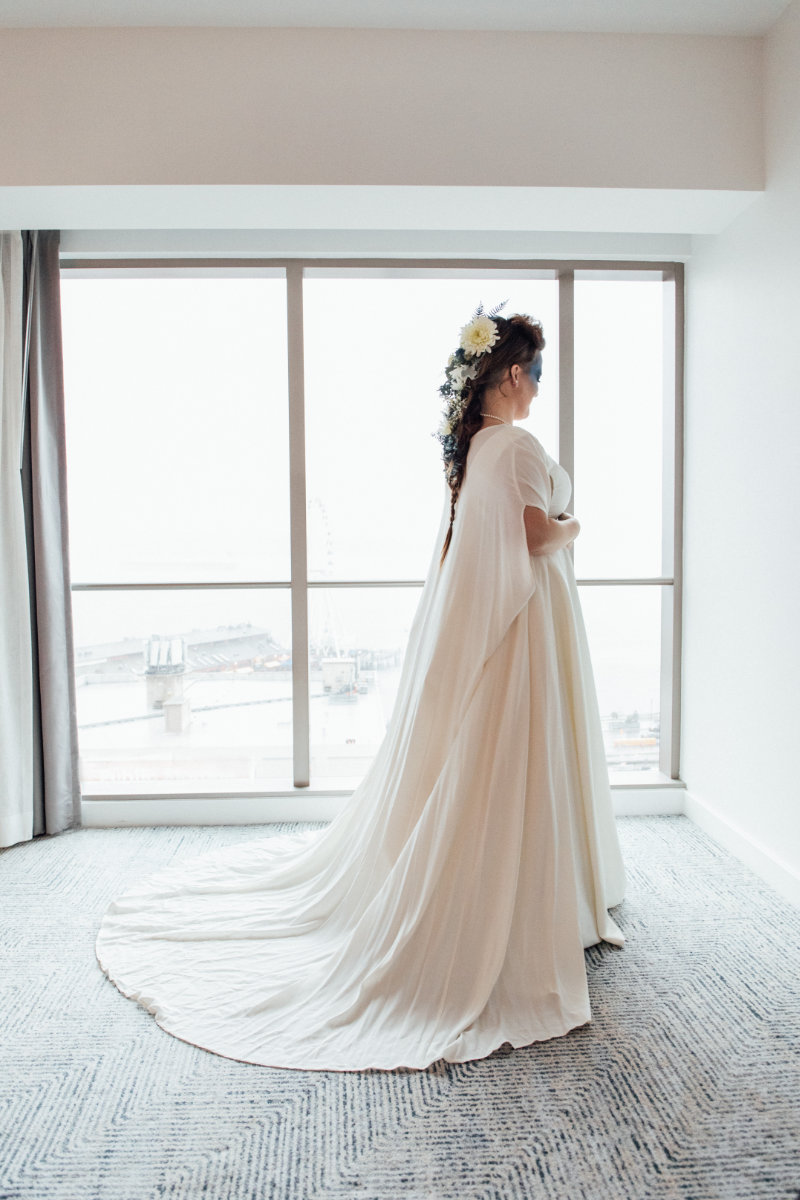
(685, 1084)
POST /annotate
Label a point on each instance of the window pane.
(189, 688)
(623, 625)
(357, 638)
(177, 442)
(375, 352)
(618, 416)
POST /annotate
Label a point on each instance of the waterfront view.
(213, 709)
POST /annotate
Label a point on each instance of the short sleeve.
(532, 472)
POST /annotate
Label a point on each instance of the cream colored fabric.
(446, 909)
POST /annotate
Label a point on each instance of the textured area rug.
(685, 1084)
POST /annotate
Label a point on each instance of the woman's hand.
(546, 534)
(565, 516)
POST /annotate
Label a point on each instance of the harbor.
(215, 707)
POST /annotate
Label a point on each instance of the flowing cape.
(439, 914)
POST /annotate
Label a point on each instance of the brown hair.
(520, 341)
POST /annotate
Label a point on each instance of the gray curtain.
(16, 715)
(56, 790)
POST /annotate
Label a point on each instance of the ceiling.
(735, 17)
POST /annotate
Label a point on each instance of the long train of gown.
(446, 908)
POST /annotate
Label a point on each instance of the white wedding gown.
(445, 910)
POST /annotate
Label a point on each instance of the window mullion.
(297, 508)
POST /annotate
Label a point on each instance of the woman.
(445, 910)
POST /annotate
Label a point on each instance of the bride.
(445, 910)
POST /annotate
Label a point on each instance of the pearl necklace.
(494, 418)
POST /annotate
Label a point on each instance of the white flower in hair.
(479, 336)
(459, 375)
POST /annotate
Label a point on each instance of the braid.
(449, 535)
(456, 462)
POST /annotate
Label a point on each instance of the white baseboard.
(108, 812)
(779, 874)
(647, 801)
(300, 805)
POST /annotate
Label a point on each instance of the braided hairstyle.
(520, 340)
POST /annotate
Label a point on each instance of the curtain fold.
(16, 669)
(54, 768)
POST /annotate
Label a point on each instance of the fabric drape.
(16, 713)
(446, 909)
(56, 790)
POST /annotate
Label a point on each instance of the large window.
(254, 494)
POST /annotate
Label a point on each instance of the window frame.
(565, 272)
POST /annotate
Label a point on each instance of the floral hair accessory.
(477, 338)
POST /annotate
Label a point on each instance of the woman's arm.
(546, 534)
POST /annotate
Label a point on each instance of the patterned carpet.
(685, 1085)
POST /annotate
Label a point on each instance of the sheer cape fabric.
(445, 910)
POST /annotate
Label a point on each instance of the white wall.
(393, 107)
(741, 744)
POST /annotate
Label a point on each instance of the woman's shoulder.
(526, 441)
(521, 434)
(515, 450)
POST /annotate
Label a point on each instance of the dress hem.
(578, 1022)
